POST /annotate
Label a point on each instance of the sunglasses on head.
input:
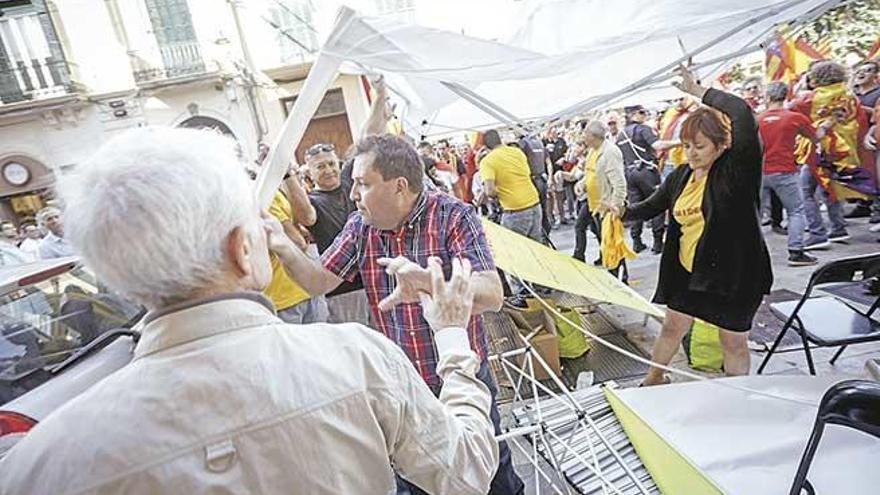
(320, 148)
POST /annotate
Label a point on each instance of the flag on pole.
(787, 58)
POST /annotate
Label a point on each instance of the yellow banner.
(537, 263)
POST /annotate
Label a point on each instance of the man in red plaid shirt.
(388, 240)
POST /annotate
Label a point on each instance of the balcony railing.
(31, 64)
(179, 58)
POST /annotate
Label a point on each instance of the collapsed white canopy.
(748, 443)
(569, 56)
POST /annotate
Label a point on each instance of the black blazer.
(731, 258)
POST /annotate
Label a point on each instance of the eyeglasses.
(320, 148)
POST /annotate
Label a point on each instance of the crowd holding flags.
(843, 167)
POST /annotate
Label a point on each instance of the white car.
(60, 333)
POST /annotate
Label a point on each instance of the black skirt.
(731, 314)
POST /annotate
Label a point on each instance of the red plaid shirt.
(438, 225)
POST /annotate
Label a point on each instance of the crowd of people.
(31, 242)
(381, 252)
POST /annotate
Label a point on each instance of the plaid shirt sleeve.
(466, 239)
(343, 255)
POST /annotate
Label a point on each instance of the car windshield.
(43, 324)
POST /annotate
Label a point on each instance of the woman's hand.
(689, 83)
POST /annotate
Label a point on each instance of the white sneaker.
(875, 227)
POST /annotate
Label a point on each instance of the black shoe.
(800, 258)
(778, 229)
(516, 302)
(598, 261)
(839, 236)
(860, 211)
(639, 246)
(657, 248)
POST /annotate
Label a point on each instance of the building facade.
(74, 72)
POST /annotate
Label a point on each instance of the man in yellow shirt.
(506, 175)
(292, 303)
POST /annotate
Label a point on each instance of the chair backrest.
(851, 403)
(856, 268)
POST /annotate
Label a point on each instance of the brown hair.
(711, 123)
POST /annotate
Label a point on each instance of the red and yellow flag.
(874, 51)
(787, 58)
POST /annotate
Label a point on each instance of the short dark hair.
(425, 144)
(492, 139)
(393, 157)
(776, 92)
(826, 73)
(711, 123)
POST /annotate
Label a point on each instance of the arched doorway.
(202, 122)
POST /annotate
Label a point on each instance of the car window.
(45, 323)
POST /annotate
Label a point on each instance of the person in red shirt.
(779, 129)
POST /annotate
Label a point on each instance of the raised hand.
(450, 303)
(411, 280)
(688, 83)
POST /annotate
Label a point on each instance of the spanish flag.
(839, 168)
(786, 59)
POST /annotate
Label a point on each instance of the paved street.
(643, 278)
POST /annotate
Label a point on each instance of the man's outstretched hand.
(411, 279)
(449, 304)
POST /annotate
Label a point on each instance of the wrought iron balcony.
(32, 66)
(179, 58)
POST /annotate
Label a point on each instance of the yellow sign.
(519, 255)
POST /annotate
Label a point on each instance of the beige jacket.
(610, 177)
(223, 397)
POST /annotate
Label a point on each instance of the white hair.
(45, 212)
(596, 128)
(151, 211)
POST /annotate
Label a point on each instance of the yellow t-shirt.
(509, 168)
(688, 212)
(282, 290)
(590, 185)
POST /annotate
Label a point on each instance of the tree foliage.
(852, 29)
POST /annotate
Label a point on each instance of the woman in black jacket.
(715, 265)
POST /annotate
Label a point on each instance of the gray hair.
(826, 73)
(596, 128)
(45, 212)
(151, 211)
(776, 91)
(393, 157)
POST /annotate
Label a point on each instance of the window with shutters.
(295, 32)
(32, 64)
(176, 38)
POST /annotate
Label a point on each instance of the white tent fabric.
(748, 443)
(569, 56)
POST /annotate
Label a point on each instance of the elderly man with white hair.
(603, 184)
(54, 245)
(222, 396)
